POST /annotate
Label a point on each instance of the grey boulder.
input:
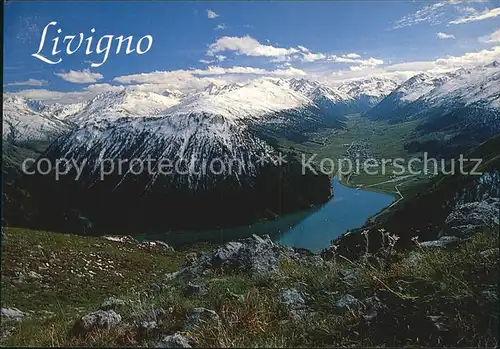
(13, 314)
(102, 319)
(173, 341)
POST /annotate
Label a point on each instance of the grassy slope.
(447, 283)
(75, 272)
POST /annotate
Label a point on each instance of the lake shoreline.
(312, 229)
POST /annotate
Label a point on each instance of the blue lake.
(312, 229)
(349, 209)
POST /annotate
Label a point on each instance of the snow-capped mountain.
(209, 124)
(192, 139)
(242, 102)
(278, 103)
(164, 172)
(407, 93)
(269, 107)
(422, 94)
(214, 147)
(315, 90)
(263, 101)
(128, 103)
(329, 99)
(215, 89)
(24, 120)
(468, 86)
(456, 110)
(210, 144)
(367, 92)
(63, 111)
(172, 94)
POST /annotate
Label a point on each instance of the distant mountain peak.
(494, 64)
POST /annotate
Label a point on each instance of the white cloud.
(444, 36)
(370, 62)
(285, 72)
(189, 80)
(437, 13)
(218, 58)
(493, 37)
(478, 16)
(469, 59)
(308, 56)
(101, 88)
(248, 46)
(361, 72)
(468, 10)
(161, 77)
(428, 13)
(405, 70)
(80, 77)
(211, 14)
(454, 2)
(313, 57)
(417, 66)
(220, 27)
(29, 82)
(51, 96)
(356, 67)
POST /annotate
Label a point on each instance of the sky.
(193, 44)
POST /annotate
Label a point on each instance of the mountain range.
(457, 110)
(232, 123)
(259, 99)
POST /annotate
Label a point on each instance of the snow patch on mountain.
(315, 90)
(235, 102)
(190, 140)
(24, 120)
(468, 86)
(374, 86)
(128, 103)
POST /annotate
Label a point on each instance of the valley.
(252, 124)
(197, 258)
(363, 138)
(250, 174)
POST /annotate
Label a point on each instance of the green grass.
(75, 274)
(449, 283)
(74, 269)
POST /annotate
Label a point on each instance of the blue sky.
(195, 43)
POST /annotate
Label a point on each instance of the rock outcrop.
(471, 217)
(293, 300)
(13, 314)
(101, 319)
(173, 341)
(256, 255)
